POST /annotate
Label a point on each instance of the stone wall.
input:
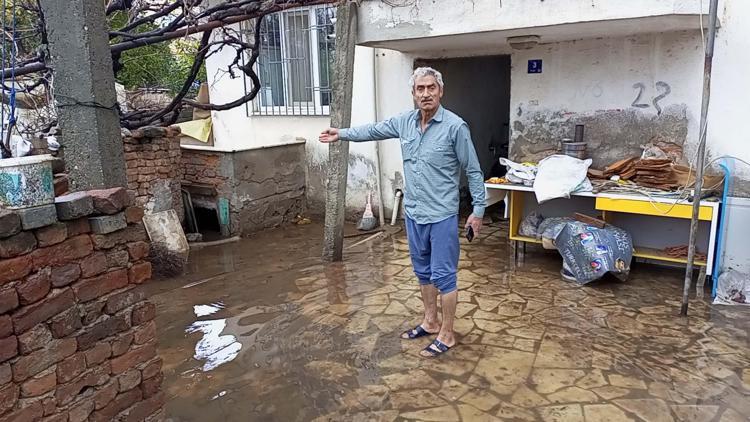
(154, 168)
(263, 187)
(77, 336)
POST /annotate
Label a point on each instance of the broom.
(368, 221)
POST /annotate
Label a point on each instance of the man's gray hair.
(425, 71)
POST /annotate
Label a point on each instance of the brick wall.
(205, 168)
(154, 168)
(77, 336)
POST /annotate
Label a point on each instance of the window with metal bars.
(295, 62)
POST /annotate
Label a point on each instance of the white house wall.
(234, 130)
(626, 91)
(381, 23)
(609, 83)
(730, 87)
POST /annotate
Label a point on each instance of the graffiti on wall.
(661, 87)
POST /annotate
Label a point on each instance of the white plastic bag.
(558, 176)
(733, 288)
(19, 147)
(519, 173)
(52, 143)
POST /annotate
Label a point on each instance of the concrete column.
(85, 93)
(341, 116)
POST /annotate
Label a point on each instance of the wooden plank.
(589, 220)
(660, 255)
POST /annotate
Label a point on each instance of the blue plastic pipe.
(724, 208)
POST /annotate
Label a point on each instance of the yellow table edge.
(632, 206)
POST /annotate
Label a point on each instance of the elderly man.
(436, 145)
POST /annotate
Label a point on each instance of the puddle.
(205, 310)
(275, 335)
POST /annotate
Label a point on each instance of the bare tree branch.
(167, 20)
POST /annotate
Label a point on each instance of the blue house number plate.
(535, 66)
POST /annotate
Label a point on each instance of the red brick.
(117, 259)
(121, 344)
(92, 288)
(14, 268)
(80, 226)
(17, 245)
(140, 273)
(40, 384)
(34, 339)
(63, 253)
(8, 348)
(105, 394)
(143, 313)
(51, 235)
(152, 385)
(132, 359)
(134, 215)
(61, 184)
(64, 275)
(93, 377)
(144, 409)
(6, 375)
(66, 323)
(94, 265)
(120, 403)
(6, 326)
(110, 201)
(98, 354)
(8, 397)
(151, 368)
(129, 380)
(60, 417)
(105, 328)
(145, 333)
(8, 299)
(49, 403)
(26, 414)
(70, 368)
(81, 411)
(120, 301)
(90, 312)
(138, 250)
(133, 233)
(30, 365)
(53, 304)
(35, 287)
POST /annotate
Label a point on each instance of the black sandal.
(415, 333)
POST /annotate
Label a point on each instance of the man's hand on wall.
(329, 135)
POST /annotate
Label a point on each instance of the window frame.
(295, 108)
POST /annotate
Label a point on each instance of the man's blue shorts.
(434, 252)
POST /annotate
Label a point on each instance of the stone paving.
(261, 330)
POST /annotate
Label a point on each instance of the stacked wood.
(623, 168)
(649, 172)
(655, 173)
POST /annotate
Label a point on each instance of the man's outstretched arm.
(386, 129)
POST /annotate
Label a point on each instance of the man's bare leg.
(447, 336)
(430, 322)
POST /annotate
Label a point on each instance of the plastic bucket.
(26, 182)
